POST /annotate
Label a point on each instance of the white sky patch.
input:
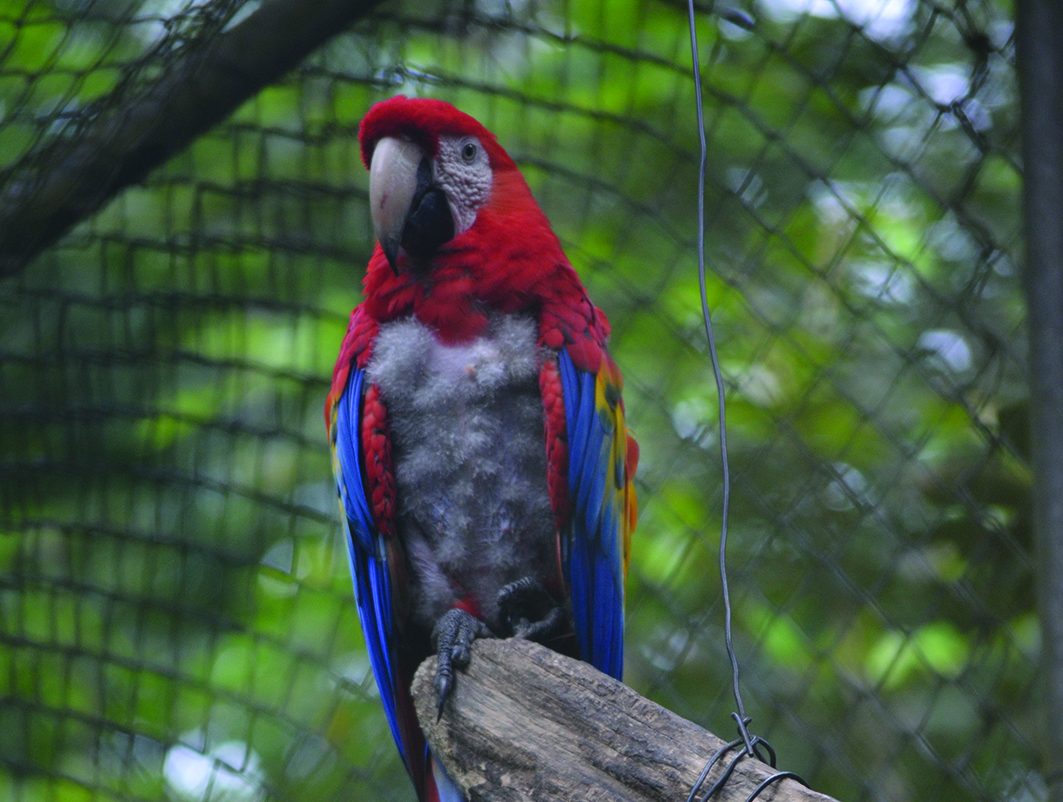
(153, 14)
(281, 558)
(846, 201)
(690, 418)
(887, 102)
(354, 669)
(747, 185)
(847, 489)
(666, 655)
(829, 207)
(946, 347)
(231, 771)
(952, 241)
(761, 386)
(947, 84)
(880, 19)
(884, 282)
(944, 83)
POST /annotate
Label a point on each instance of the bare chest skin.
(468, 448)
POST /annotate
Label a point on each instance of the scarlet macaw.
(483, 466)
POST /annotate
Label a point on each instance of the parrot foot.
(453, 635)
(530, 612)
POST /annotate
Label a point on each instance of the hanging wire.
(752, 745)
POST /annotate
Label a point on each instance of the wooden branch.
(525, 723)
(62, 182)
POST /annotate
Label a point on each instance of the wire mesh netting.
(175, 612)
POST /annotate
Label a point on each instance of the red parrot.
(482, 461)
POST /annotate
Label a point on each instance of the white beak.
(392, 185)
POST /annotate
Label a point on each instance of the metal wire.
(749, 742)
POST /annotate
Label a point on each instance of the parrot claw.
(530, 612)
(453, 634)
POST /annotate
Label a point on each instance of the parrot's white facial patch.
(463, 172)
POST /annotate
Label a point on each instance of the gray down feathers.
(468, 446)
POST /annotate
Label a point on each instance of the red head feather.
(424, 121)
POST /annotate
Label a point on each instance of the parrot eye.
(463, 171)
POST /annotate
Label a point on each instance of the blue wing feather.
(591, 542)
(365, 547)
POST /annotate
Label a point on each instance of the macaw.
(482, 461)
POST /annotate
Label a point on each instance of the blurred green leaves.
(175, 614)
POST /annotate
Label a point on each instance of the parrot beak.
(410, 213)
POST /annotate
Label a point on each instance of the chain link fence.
(175, 613)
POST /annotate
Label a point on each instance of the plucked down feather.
(475, 418)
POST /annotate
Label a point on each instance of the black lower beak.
(390, 246)
(429, 222)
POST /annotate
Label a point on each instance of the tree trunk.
(1040, 56)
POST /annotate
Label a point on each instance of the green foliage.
(175, 611)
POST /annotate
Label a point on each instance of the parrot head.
(434, 173)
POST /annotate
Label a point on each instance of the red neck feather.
(503, 262)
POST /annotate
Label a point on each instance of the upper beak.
(409, 212)
(392, 183)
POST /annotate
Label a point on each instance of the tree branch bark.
(62, 183)
(525, 723)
